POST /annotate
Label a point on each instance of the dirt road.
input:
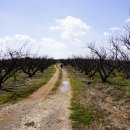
(40, 111)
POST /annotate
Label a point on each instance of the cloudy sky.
(60, 28)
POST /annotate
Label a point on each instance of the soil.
(108, 113)
(116, 113)
(41, 110)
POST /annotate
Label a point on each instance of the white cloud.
(16, 38)
(115, 29)
(107, 34)
(72, 28)
(24, 38)
(16, 41)
(8, 38)
(2, 41)
(2, 44)
(20, 39)
(128, 20)
(52, 43)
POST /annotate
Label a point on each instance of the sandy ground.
(41, 111)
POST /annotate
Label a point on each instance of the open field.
(98, 106)
(65, 65)
(23, 86)
(84, 103)
(41, 110)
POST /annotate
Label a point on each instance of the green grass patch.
(118, 87)
(76, 85)
(25, 86)
(85, 103)
(81, 116)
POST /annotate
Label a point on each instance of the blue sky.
(60, 28)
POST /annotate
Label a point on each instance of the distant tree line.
(13, 61)
(105, 61)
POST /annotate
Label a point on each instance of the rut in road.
(41, 111)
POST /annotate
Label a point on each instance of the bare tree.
(124, 55)
(8, 65)
(107, 61)
(29, 65)
(125, 38)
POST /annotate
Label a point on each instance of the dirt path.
(40, 111)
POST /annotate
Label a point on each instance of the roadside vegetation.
(58, 82)
(101, 86)
(96, 105)
(22, 73)
(23, 86)
(83, 114)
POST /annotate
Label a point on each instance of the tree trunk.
(30, 76)
(0, 85)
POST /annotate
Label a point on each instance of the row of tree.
(106, 61)
(13, 61)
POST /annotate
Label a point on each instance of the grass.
(87, 103)
(25, 86)
(58, 82)
(81, 115)
(118, 87)
(121, 86)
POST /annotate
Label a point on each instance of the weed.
(58, 82)
(29, 86)
(81, 116)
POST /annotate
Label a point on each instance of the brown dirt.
(39, 111)
(117, 116)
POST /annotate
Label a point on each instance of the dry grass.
(58, 82)
(24, 86)
(93, 104)
(83, 114)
